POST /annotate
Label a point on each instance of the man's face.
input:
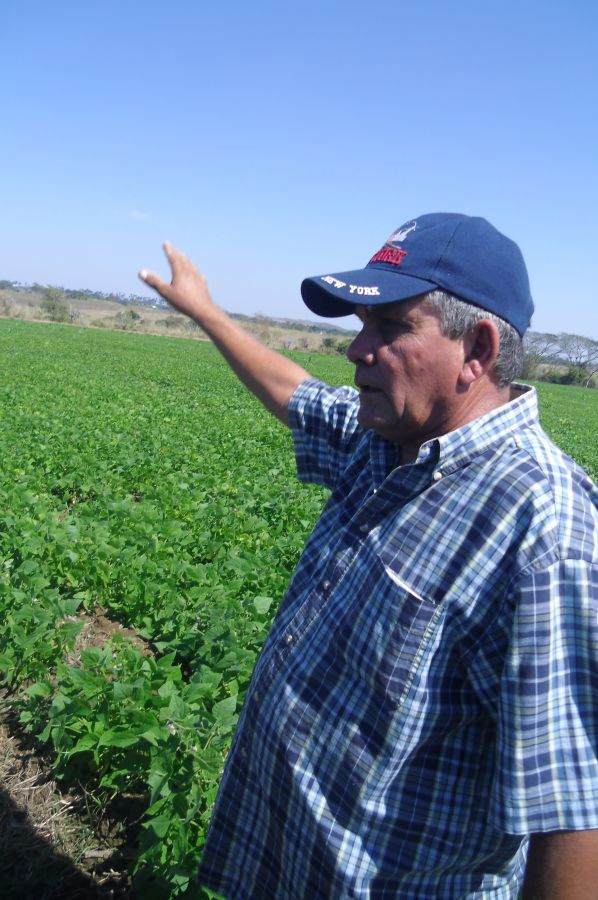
(407, 372)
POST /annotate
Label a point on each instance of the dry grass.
(107, 314)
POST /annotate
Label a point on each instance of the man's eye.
(391, 327)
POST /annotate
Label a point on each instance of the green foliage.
(121, 486)
(568, 375)
(342, 345)
(133, 724)
(138, 475)
(570, 416)
(335, 345)
(128, 319)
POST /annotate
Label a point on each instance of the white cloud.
(138, 215)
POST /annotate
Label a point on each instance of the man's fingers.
(176, 259)
(185, 283)
(173, 256)
(154, 281)
(170, 251)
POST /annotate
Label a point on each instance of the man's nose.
(361, 348)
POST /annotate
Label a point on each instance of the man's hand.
(188, 291)
(270, 376)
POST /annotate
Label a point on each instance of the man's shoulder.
(549, 464)
(315, 393)
(325, 431)
(544, 484)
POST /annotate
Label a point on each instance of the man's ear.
(480, 346)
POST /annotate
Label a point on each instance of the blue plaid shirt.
(426, 697)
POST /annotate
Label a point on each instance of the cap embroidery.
(393, 255)
(329, 279)
(401, 233)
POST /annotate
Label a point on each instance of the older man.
(422, 720)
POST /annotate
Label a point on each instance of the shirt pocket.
(391, 626)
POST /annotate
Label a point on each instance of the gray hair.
(458, 317)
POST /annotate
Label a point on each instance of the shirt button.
(437, 475)
(326, 585)
(288, 639)
(256, 696)
(364, 528)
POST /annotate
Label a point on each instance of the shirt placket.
(394, 493)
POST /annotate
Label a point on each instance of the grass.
(570, 416)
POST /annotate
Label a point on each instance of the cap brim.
(338, 295)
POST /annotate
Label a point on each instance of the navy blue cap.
(464, 255)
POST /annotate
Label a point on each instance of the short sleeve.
(325, 430)
(547, 743)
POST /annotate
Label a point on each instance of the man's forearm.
(269, 375)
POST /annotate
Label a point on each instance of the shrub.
(53, 306)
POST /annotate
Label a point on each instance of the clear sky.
(271, 141)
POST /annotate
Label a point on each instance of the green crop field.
(138, 478)
(570, 416)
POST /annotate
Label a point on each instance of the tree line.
(560, 358)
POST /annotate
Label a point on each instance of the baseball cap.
(464, 255)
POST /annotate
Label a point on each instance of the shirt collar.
(453, 450)
(457, 447)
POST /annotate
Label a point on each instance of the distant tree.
(54, 306)
(581, 354)
(75, 294)
(128, 319)
(538, 348)
(342, 345)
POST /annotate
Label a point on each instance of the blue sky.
(273, 141)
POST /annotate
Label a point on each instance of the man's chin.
(371, 422)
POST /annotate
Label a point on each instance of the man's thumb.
(154, 281)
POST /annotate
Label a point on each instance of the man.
(422, 718)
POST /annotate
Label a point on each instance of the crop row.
(140, 478)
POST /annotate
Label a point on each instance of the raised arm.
(269, 375)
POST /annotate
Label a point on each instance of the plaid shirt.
(426, 697)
